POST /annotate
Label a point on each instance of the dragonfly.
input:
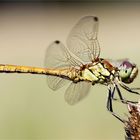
(80, 66)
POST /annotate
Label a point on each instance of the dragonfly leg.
(131, 90)
(112, 94)
(121, 97)
(110, 107)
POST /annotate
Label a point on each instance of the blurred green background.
(28, 108)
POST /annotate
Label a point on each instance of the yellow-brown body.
(98, 71)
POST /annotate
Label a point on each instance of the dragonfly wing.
(76, 92)
(82, 40)
(57, 56)
(56, 82)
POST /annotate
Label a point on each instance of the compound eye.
(125, 73)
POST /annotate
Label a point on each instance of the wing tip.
(70, 102)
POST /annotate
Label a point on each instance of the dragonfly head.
(127, 71)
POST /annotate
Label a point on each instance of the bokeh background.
(29, 110)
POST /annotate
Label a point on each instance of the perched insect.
(80, 65)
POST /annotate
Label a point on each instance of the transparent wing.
(56, 82)
(82, 40)
(76, 92)
(57, 56)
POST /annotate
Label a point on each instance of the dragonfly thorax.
(98, 72)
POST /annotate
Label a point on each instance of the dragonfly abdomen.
(4, 68)
(67, 73)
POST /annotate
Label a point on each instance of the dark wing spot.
(96, 19)
(57, 41)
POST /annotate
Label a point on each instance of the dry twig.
(132, 125)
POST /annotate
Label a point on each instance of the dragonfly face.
(127, 71)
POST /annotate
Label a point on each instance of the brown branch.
(132, 125)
